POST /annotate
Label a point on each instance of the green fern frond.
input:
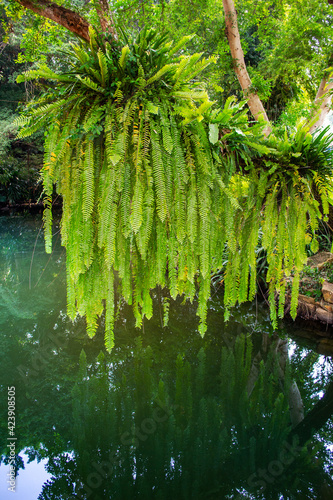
(123, 58)
(158, 171)
(88, 180)
(168, 68)
(87, 82)
(103, 67)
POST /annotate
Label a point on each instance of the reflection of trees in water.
(30, 280)
(10, 306)
(199, 426)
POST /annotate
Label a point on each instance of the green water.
(166, 415)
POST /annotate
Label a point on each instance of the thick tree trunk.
(65, 17)
(256, 107)
(316, 418)
(322, 101)
(296, 407)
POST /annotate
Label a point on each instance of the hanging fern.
(151, 179)
(283, 176)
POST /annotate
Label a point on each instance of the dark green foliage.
(20, 162)
(20, 159)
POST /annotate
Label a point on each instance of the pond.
(243, 413)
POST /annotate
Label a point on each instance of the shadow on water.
(243, 413)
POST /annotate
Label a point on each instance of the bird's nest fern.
(146, 169)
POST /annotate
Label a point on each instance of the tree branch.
(256, 107)
(65, 17)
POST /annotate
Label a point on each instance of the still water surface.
(166, 415)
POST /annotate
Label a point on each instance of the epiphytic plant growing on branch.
(152, 179)
(130, 156)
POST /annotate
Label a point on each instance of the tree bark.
(322, 102)
(106, 19)
(65, 17)
(256, 107)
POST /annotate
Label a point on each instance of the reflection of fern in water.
(192, 432)
(205, 433)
